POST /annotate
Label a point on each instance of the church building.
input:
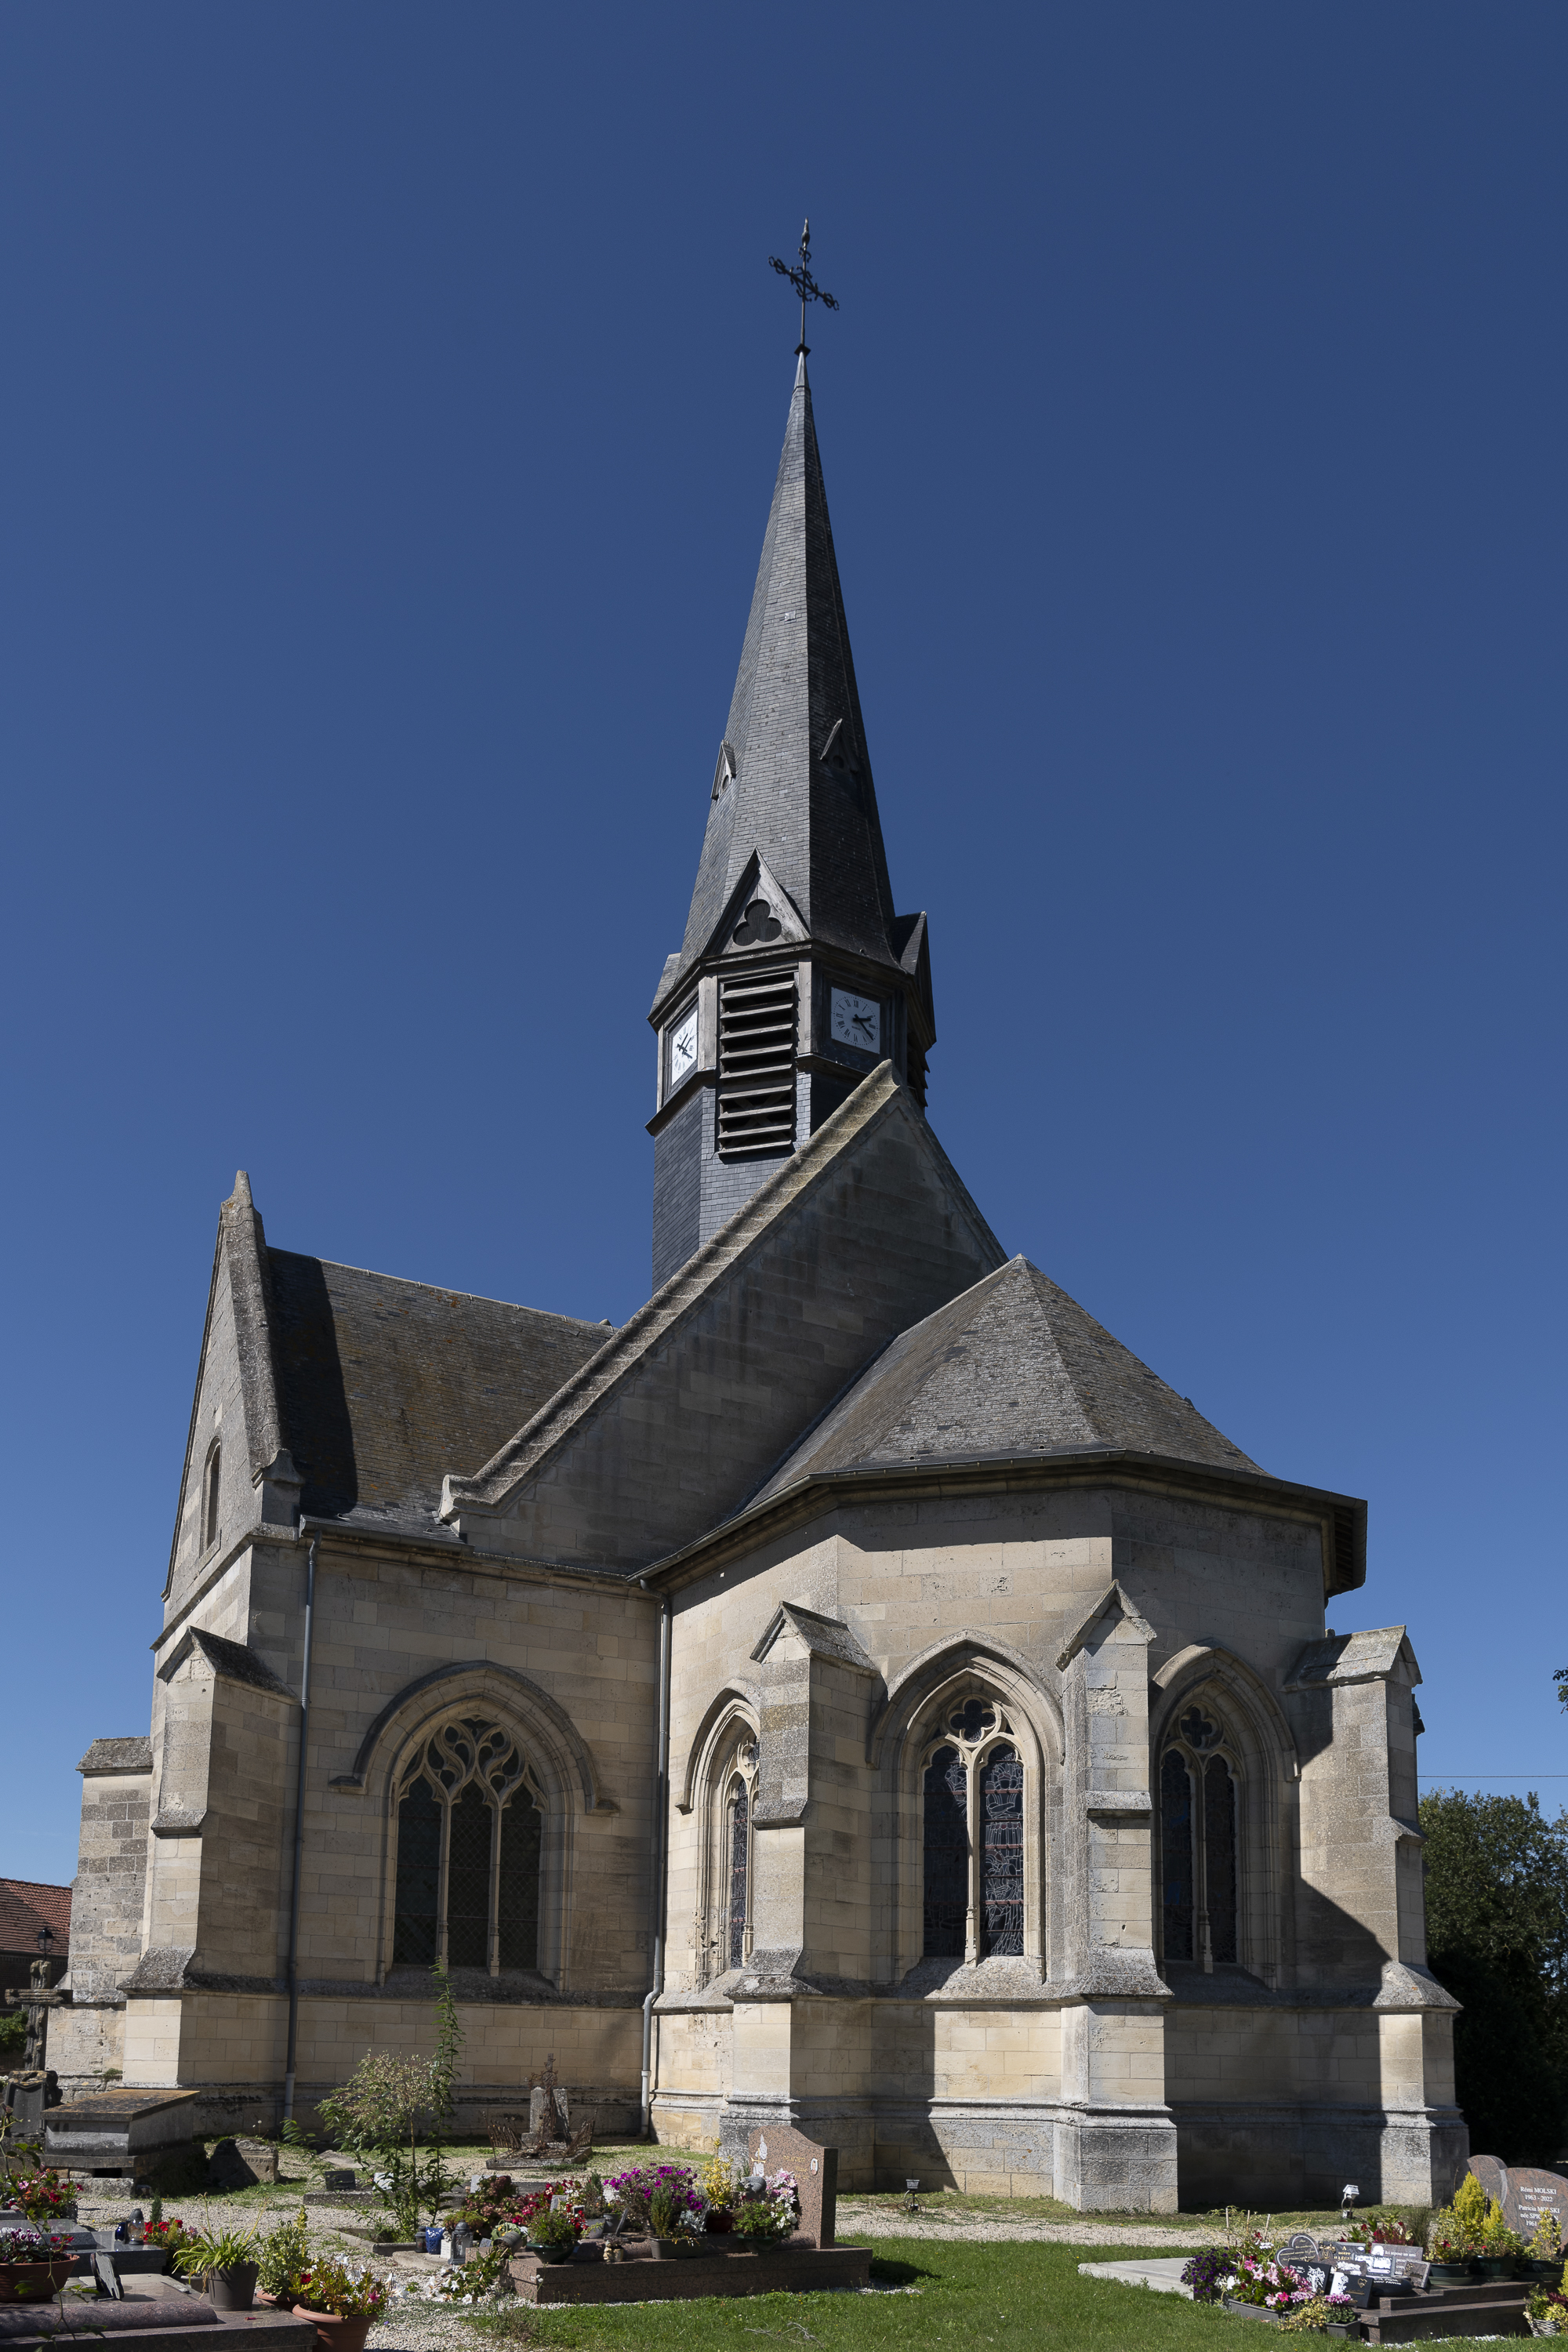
(855, 1692)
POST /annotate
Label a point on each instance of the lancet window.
(210, 1491)
(470, 1836)
(973, 1802)
(1199, 1809)
(724, 1926)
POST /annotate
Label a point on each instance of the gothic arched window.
(973, 1836)
(1198, 1873)
(722, 1924)
(469, 1825)
(738, 1920)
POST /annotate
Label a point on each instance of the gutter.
(293, 2045)
(661, 1823)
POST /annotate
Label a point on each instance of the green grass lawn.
(968, 2297)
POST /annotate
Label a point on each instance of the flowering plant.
(481, 2279)
(1260, 2279)
(43, 2197)
(330, 2285)
(677, 2210)
(172, 2234)
(33, 2245)
(1378, 2233)
(631, 2193)
(555, 2230)
(770, 2220)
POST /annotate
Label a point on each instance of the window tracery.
(1200, 1779)
(469, 1840)
(972, 1835)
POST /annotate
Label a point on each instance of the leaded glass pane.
(1002, 1836)
(1177, 1855)
(469, 1883)
(740, 1867)
(416, 1924)
(1219, 1856)
(520, 1829)
(946, 1855)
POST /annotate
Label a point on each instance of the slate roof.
(1012, 1367)
(26, 1905)
(812, 819)
(384, 1386)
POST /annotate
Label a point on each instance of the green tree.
(1497, 1936)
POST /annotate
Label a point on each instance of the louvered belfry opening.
(756, 1063)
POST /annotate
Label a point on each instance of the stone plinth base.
(720, 2271)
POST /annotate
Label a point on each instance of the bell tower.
(795, 978)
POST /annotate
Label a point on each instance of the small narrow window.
(469, 1883)
(520, 1828)
(1002, 1830)
(414, 1940)
(210, 1497)
(1219, 1857)
(946, 1855)
(740, 1873)
(1177, 1855)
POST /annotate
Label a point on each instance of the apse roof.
(1012, 1367)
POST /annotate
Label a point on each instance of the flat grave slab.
(1162, 2273)
(108, 2131)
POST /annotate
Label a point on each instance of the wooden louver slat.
(756, 1064)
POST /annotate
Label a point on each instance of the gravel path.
(855, 2221)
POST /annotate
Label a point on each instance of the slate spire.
(793, 782)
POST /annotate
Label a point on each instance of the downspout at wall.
(298, 1841)
(657, 1896)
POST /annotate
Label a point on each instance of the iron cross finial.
(805, 285)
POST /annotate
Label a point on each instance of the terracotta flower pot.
(33, 2281)
(334, 2335)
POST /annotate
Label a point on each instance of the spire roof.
(792, 781)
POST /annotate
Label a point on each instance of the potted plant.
(1547, 2310)
(678, 2216)
(764, 2221)
(43, 2197)
(553, 2235)
(282, 2251)
(342, 2303)
(33, 2263)
(1544, 2255)
(225, 2259)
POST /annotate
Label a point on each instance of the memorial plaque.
(815, 2170)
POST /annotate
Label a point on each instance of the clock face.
(683, 1049)
(857, 1021)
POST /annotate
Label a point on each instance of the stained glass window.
(740, 1869)
(517, 1906)
(1002, 1834)
(1176, 1854)
(1219, 1857)
(946, 1855)
(419, 1878)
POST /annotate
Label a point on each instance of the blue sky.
(392, 403)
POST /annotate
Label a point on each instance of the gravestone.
(28, 2096)
(118, 2130)
(242, 2164)
(536, 2099)
(1524, 2192)
(815, 2170)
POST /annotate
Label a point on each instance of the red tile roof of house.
(26, 1905)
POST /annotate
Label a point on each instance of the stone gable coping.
(112, 1756)
(1112, 1600)
(878, 1098)
(825, 1637)
(1340, 1658)
(230, 1661)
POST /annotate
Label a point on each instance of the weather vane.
(805, 285)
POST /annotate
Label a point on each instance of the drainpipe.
(660, 1819)
(298, 1843)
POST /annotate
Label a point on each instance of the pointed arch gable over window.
(549, 1727)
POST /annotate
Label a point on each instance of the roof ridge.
(438, 1290)
(876, 1097)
